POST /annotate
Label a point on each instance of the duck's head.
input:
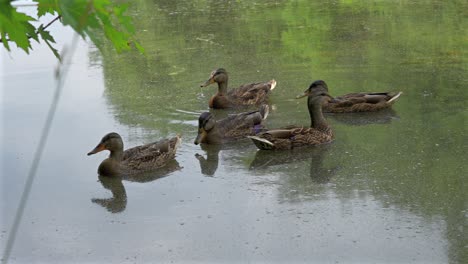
(318, 87)
(317, 98)
(316, 94)
(206, 123)
(111, 142)
(217, 76)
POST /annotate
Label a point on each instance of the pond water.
(391, 188)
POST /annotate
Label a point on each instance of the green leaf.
(47, 6)
(75, 14)
(87, 17)
(124, 20)
(16, 27)
(117, 38)
(5, 41)
(53, 50)
(139, 47)
(93, 22)
(45, 35)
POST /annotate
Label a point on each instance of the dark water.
(391, 188)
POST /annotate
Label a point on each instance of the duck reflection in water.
(118, 202)
(318, 172)
(385, 116)
(209, 165)
(265, 159)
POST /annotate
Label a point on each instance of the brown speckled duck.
(231, 128)
(247, 94)
(355, 102)
(288, 138)
(134, 160)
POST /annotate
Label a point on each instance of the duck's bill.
(198, 139)
(208, 82)
(302, 95)
(97, 149)
(201, 136)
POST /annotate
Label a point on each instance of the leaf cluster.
(87, 17)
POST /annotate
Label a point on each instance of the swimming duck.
(247, 94)
(355, 102)
(291, 137)
(231, 128)
(134, 160)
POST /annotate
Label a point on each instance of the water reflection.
(159, 173)
(319, 173)
(385, 116)
(209, 165)
(118, 202)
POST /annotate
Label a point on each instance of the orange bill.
(100, 147)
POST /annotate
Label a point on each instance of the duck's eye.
(205, 122)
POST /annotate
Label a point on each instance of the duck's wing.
(290, 138)
(252, 93)
(152, 155)
(246, 119)
(361, 102)
(243, 124)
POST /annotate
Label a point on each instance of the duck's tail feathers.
(178, 142)
(272, 84)
(264, 111)
(394, 98)
(262, 143)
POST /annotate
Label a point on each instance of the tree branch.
(51, 22)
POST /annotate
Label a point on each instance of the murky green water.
(390, 189)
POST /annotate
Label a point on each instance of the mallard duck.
(247, 94)
(355, 102)
(288, 138)
(134, 160)
(231, 128)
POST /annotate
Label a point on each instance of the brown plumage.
(355, 102)
(288, 138)
(247, 94)
(231, 128)
(134, 160)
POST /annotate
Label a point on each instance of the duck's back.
(244, 124)
(150, 156)
(360, 102)
(251, 94)
(294, 137)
